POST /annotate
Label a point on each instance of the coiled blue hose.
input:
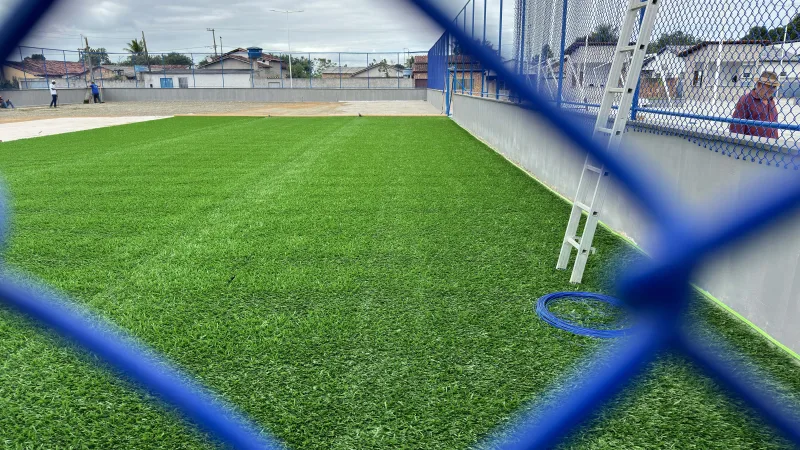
(542, 309)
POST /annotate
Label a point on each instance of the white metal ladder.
(636, 54)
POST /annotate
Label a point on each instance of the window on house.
(166, 83)
(747, 73)
(697, 77)
(183, 82)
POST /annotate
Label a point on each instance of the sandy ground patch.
(133, 109)
(12, 131)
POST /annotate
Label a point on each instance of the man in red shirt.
(759, 105)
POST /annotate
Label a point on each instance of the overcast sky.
(180, 25)
(375, 26)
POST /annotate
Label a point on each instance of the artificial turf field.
(346, 282)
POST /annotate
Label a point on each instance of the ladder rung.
(616, 90)
(583, 206)
(627, 48)
(605, 130)
(574, 243)
(594, 169)
(639, 6)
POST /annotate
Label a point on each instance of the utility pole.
(146, 56)
(220, 46)
(288, 40)
(87, 58)
(213, 38)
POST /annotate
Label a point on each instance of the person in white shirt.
(54, 94)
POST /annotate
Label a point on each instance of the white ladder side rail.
(637, 52)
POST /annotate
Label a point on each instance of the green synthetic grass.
(346, 282)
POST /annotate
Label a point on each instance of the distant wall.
(759, 278)
(41, 97)
(263, 95)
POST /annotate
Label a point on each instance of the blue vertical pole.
(164, 67)
(340, 70)
(635, 103)
(561, 60)
(310, 72)
(46, 77)
(472, 36)
(24, 71)
(483, 72)
(194, 80)
(398, 78)
(500, 51)
(83, 64)
(522, 42)
(66, 72)
(463, 56)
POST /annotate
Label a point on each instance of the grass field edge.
(705, 294)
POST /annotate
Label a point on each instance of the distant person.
(758, 105)
(95, 92)
(4, 104)
(54, 94)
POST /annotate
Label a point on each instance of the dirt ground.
(166, 109)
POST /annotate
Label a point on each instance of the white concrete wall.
(346, 83)
(759, 278)
(263, 95)
(39, 97)
(200, 80)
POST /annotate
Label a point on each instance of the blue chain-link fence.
(723, 74)
(36, 68)
(658, 290)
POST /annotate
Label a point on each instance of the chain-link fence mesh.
(725, 75)
(37, 68)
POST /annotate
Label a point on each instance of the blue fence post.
(83, 64)
(500, 53)
(66, 72)
(398, 78)
(561, 59)
(463, 56)
(194, 80)
(471, 64)
(635, 103)
(46, 77)
(522, 42)
(24, 71)
(483, 42)
(164, 69)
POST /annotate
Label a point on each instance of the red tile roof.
(54, 68)
(421, 59)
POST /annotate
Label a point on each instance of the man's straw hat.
(768, 78)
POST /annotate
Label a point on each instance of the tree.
(677, 37)
(135, 47)
(175, 59)
(36, 57)
(321, 65)
(98, 56)
(301, 67)
(410, 62)
(762, 33)
(604, 32)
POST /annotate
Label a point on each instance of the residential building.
(420, 72)
(37, 74)
(707, 80)
(663, 74)
(267, 66)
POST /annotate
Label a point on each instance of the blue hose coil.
(542, 309)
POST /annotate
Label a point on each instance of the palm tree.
(135, 47)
